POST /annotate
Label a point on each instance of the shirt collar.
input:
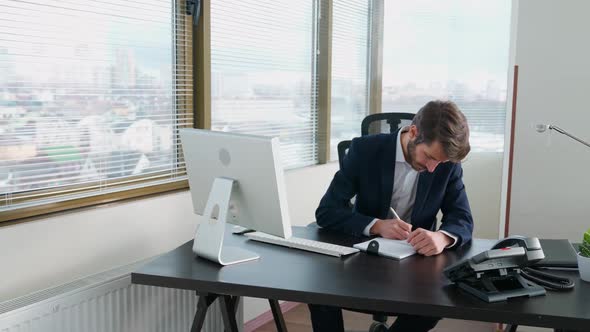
(399, 152)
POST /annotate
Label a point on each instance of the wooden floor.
(297, 320)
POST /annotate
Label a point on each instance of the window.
(350, 70)
(455, 50)
(92, 94)
(263, 73)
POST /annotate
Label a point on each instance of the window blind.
(263, 73)
(350, 69)
(92, 94)
(455, 50)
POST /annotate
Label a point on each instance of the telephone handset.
(531, 245)
(499, 273)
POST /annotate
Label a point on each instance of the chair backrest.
(342, 149)
(393, 119)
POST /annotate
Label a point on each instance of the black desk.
(415, 285)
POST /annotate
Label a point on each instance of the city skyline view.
(93, 103)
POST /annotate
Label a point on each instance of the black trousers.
(329, 319)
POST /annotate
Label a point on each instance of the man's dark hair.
(442, 121)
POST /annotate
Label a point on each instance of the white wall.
(482, 175)
(305, 188)
(54, 250)
(550, 177)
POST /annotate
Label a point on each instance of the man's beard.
(412, 156)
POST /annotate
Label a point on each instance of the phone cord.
(547, 280)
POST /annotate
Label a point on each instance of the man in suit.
(415, 171)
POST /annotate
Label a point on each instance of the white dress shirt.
(405, 183)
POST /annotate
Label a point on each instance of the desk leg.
(510, 328)
(235, 301)
(205, 301)
(228, 310)
(277, 313)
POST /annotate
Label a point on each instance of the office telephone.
(504, 271)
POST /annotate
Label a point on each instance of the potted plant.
(584, 257)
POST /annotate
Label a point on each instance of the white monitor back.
(259, 200)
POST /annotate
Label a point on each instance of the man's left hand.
(429, 243)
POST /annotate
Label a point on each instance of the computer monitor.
(258, 199)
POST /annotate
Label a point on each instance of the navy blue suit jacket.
(367, 172)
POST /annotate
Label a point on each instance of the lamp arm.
(561, 131)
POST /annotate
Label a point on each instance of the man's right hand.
(396, 229)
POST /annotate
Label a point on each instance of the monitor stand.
(210, 232)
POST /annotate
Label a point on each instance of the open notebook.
(396, 249)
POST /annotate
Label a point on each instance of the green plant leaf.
(587, 236)
(585, 249)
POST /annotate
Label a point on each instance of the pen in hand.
(396, 216)
(394, 213)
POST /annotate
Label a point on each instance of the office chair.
(368, 126)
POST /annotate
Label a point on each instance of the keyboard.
(303, 244)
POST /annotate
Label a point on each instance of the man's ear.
(413, 131)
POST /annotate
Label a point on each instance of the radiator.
(107, 302)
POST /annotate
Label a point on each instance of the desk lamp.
(543, 127)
